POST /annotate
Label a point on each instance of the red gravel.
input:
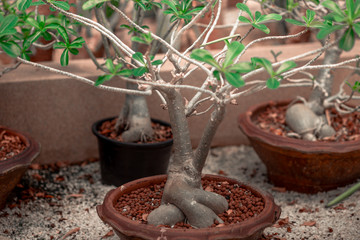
(10, 145)
(347, 126)
(162, 133)
(243, 204)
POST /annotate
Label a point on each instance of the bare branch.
(86, 80)
(9, 69)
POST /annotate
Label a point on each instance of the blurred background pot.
(122, 162)
(125, 228)
(12, 169)
(300, 165)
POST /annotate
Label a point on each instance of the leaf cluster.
(256, 20)
(181, 10)
(20, 29)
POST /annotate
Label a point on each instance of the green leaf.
(216, 74)
(326, 30)
(109, 65)
(234, 49)
(38, 3)
(156, 62)
(62, 31)
(59, 45)
(137, 72)
(10, 48)
(285, 67)
(33, 22)
(348, 40)
(357, 9)
(52, 25)
(242, 67)
(356, 27)
(92, 3)
(310, 15)
(333, 7)
(22, 5)
(64, 59)
(31, 39)
(344, 195)
(125, 73)
(170, 4)
(272, 83)
(350, 8)
(138, 39)
(63, 5)
(244, 19)
(101, 79)
(73, 51)
(47, 36)
(203, 55)
(234, 79)
(271, 16)
(295, 22)
(261, 27)
(264, 63)
(138, 56)
(77, 43)
(7, 25)
(245, 8)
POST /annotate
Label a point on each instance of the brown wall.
(59, 112)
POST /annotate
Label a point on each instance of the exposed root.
(199, 207)
(138, 133)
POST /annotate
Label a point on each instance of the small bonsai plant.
(227, 77)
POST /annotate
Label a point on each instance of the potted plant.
(118, 137)
(225, 79)
(308, 154)
(17, 152)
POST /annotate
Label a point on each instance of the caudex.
(226, 77)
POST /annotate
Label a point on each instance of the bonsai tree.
(228, 78)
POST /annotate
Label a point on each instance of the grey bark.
(134, 119)
(308, 119)
(183, 196)
(324, 81)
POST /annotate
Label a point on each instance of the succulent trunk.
(184, 198)
(308, 119)
(134, 119)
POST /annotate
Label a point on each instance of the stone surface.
(74, 216)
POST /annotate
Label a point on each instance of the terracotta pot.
(12, 169)
(300, 165)
(125, 228)
(123, 162)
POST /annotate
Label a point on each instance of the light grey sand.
(303, 216)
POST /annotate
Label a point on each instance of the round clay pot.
(12, 169)
(126, 228)
(300, 165)
(122, 162)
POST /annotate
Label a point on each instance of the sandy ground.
(64, 201)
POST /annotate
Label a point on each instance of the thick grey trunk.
(209, 132)
(324, 81)
(184, 198)
(134, 119)
(308, 119)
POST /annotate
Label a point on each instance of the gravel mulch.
(59, 202)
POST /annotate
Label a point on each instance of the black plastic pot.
(123, 162)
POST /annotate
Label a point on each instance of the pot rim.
(108, 214)
(96, 125)
(251, 130)
(24, 158)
